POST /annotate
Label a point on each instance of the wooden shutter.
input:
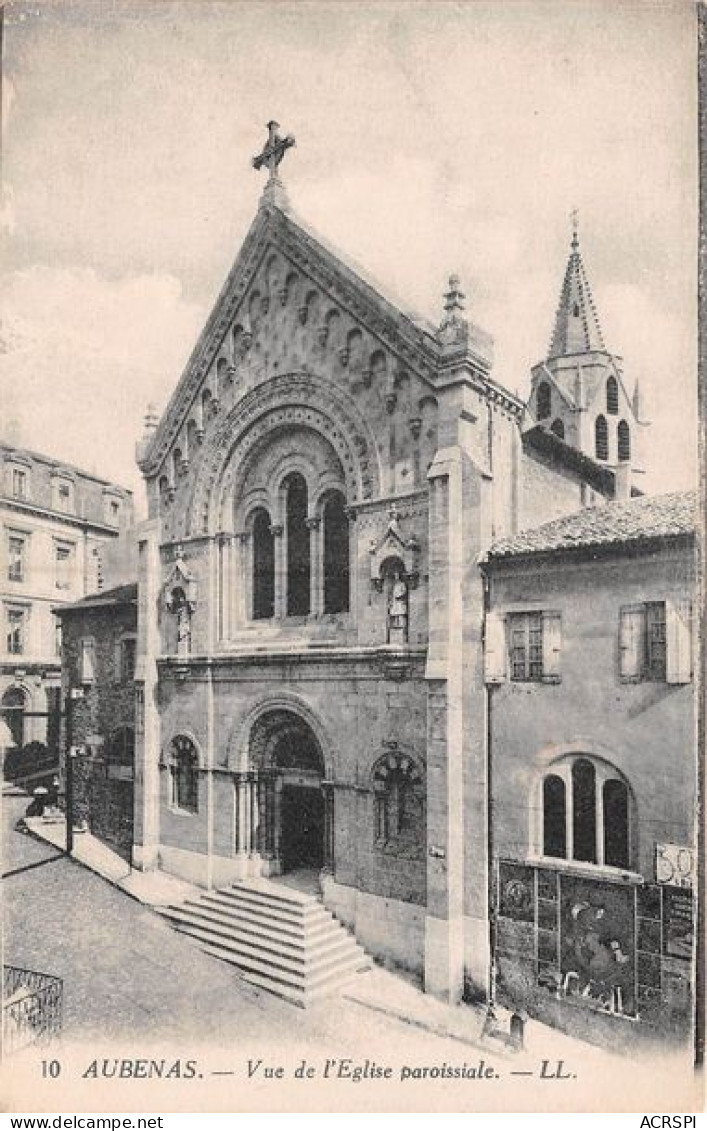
(495, 648)
(678, 640)
(88, 661)
(552, 646)
(631, 641)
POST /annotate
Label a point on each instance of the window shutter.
(552, 645)
(631, 627)
(88, 661)
(678, 644)
(495, 648)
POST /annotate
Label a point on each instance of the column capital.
(313, 523)
(277, 529)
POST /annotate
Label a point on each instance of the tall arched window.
(623, 441)
(336, 555)
(554, 817)
(612, 396)
(601, 438)
(184, 774)
(615, 797)
(558, 428)
(544, 400)
(263, 566)
(586, 813)
(14, 704)
(298, 552)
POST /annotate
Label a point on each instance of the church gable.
(290, 308)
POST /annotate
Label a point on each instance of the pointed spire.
(577, 328)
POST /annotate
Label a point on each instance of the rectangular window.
(57, 636)
(19, 483)
(16, 548)
(526, 653)
(655, 641)
(16, 631)
(127, 660)
(63, 561)
(63, 496)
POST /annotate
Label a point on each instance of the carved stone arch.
(396, 757)
(285, 400)
(183, 732)
(239, 753)
(328, 485)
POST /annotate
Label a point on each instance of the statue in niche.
(398, 610)
(182, 609)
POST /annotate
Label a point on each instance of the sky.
(432, 138)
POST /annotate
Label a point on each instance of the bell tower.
(579, 392)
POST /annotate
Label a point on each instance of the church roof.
(577, 328)
(614, 524)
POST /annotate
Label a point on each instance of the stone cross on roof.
(273, 151)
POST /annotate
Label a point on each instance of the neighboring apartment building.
(57, 525)
(593, 788)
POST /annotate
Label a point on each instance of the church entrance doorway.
(291, 805)
(302, 843)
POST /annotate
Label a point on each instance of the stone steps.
(281, 940)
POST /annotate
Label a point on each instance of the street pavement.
(126, 971)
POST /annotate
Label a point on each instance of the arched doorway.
(288, 771)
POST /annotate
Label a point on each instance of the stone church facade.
(310, 678)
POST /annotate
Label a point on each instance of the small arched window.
(558, 428)
(601, 438)
(298, 547)
(594, 828)
(336, 555)
(184, 775)
(263, 566)
(623, 434)
(399, 801)
(612, 396)
(544, 400)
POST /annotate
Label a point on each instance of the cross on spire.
(273, 151)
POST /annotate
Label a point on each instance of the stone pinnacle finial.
(269, 158)
(454, 296)
(151, 418)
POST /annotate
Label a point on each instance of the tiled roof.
(612, 524)
(120, 595)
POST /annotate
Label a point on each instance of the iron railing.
(32, 1008)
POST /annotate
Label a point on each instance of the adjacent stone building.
(593, 784)
(59, 527)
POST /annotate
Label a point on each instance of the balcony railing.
(32, 1008)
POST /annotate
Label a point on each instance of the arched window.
(554, 817)
(624, 441)
(616, 848)
(612, 396)
(601, 438)
(298, 553)
(263, 566)
(558, 428)
(586, 813)
(184, 775)
(399, 802)
(336, 555)
(544, 400)
(14, 704)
